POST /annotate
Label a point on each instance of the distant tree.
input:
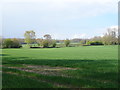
(7, 43)
(16, 43)
(106, 39)
(54, 43)
(39, 41)
(67, 42)
(110, 38)
(47, 36)
(47, 41)
(29, 37)
(11, 43)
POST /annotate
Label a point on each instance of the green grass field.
(71, 67)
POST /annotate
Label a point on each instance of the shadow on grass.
(4, 55)
(90, 73)
(92, 65)
(64, 62)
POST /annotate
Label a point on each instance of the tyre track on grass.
(46, 68)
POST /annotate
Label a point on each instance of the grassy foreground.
(83, 67)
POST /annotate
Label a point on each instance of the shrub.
(94, 43)
(16, 43)
(48, 43)
(67, 42)
(7, 43)
(11, 43)
(45, 43)
(54, 43)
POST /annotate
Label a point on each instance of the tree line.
(109, 38)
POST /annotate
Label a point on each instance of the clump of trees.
(11, 43)
(48, 41)
(109, 38)
(47, 44)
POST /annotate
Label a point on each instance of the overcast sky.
(60, 18)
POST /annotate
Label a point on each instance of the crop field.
(67, 67)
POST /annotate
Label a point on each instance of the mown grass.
(97, 66)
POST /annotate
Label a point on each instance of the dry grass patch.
(44, 70)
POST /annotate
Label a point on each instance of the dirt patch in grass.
(43, 67)
(44, 70)
(47, 70)
(11, 73)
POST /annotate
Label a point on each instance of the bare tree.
(111, 37)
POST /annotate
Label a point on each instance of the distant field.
(83, 67)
